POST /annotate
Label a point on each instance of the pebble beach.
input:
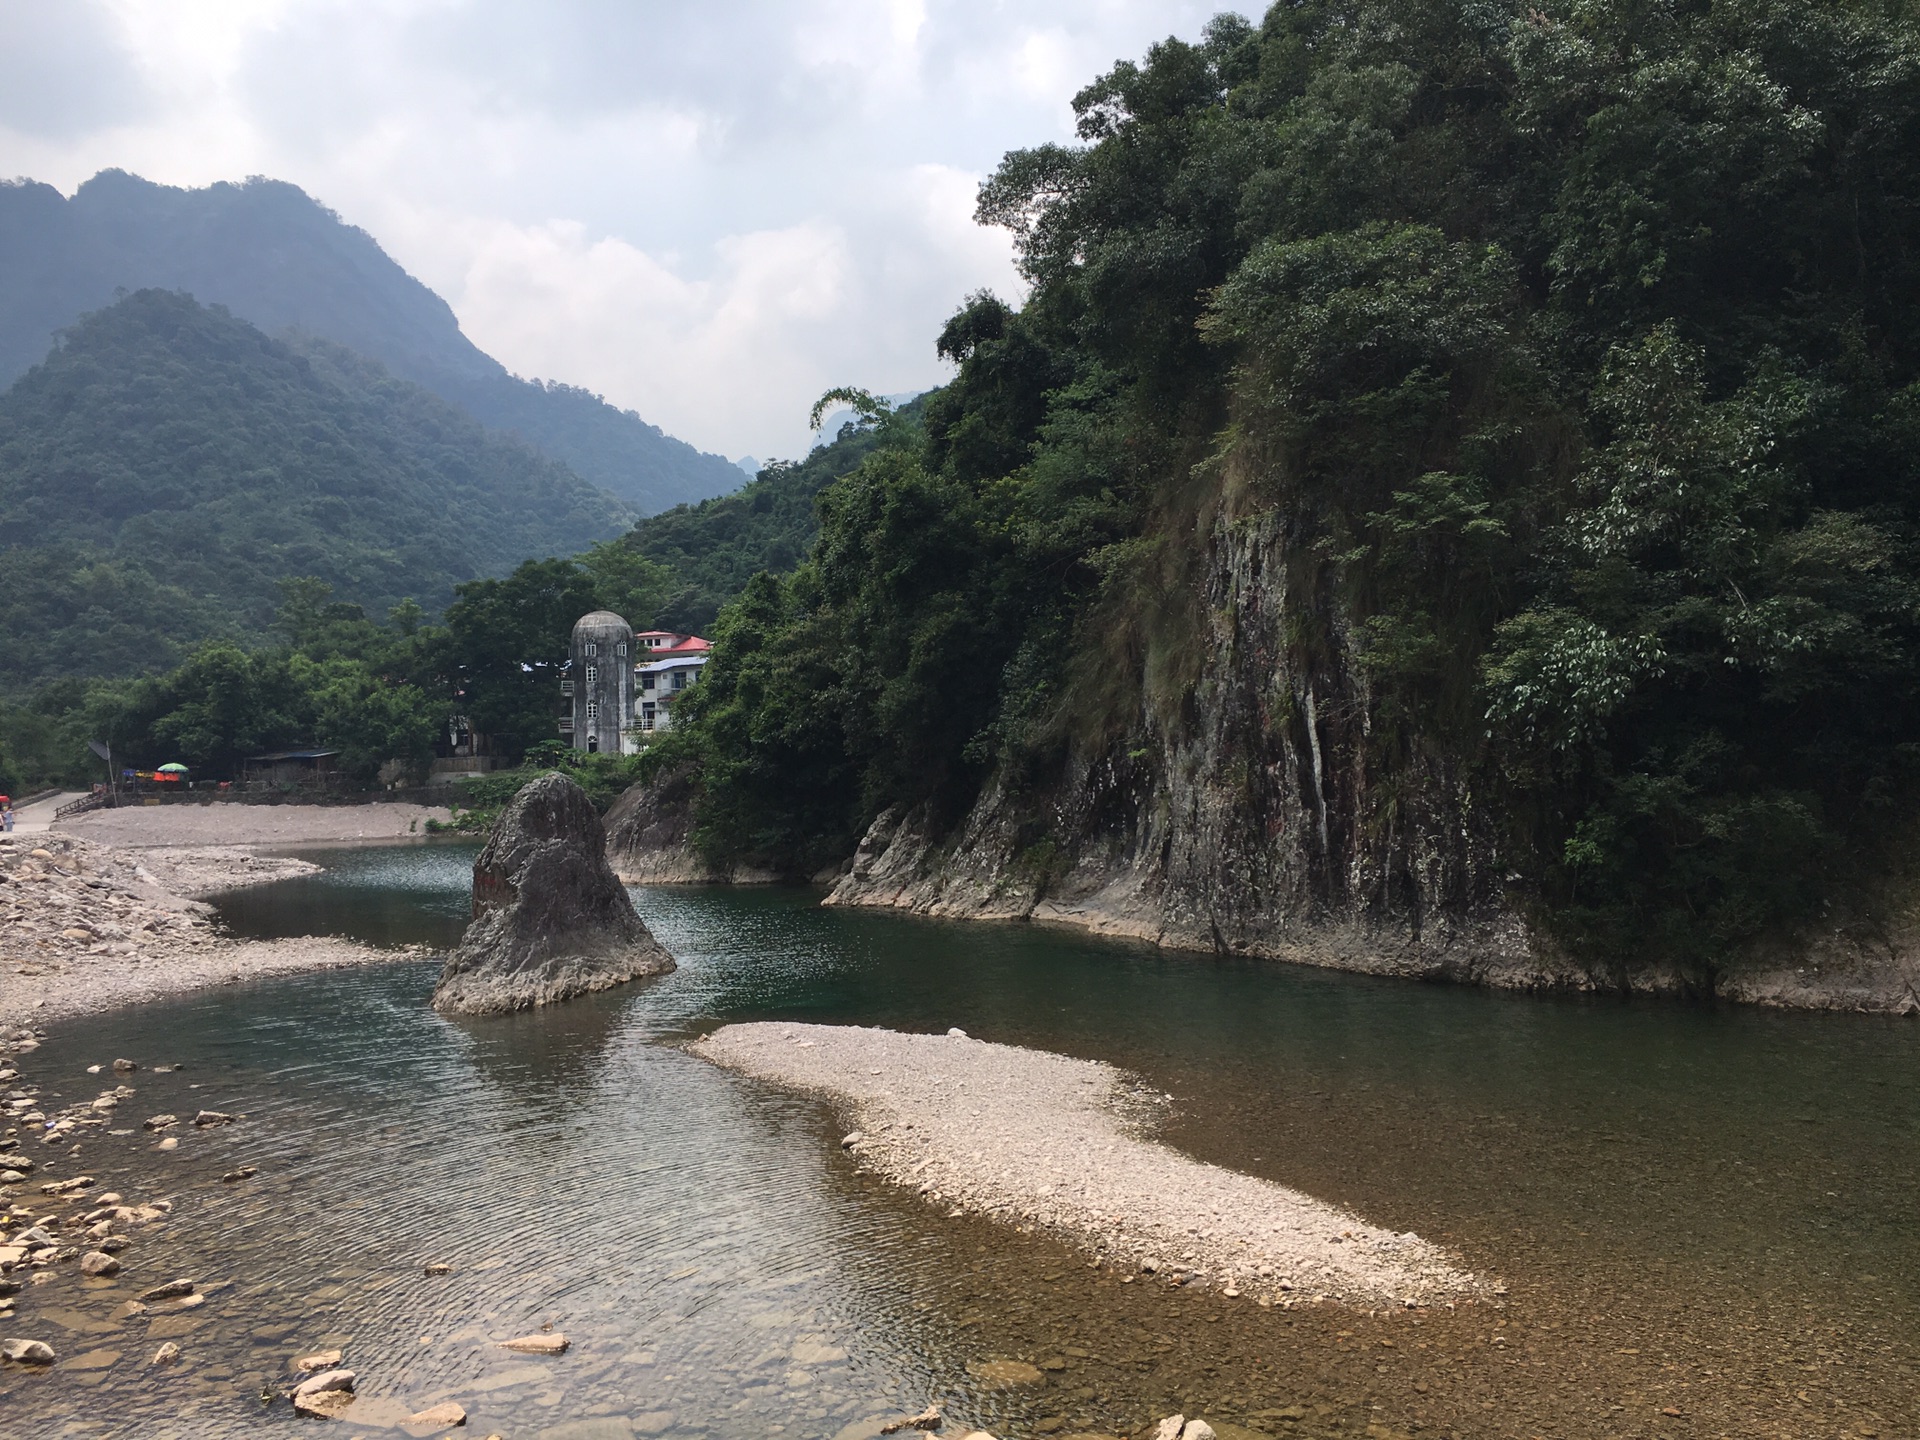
(109, 909)
(1032, 1137)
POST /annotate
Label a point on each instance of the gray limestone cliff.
(550, 918)
(647, 838)
(1242, 813)
(1237, 812)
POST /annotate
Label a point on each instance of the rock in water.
(550, 919)
(548, 1344)
(97, 1262)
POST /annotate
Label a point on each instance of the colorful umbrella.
(176, 768)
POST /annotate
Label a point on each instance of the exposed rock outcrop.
(1243, 814)
(550, 918)
(1239, 811)
(1240, 808)
(647, 838)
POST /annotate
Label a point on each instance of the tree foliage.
(169, 465)
(1574, 341)
(714, 548)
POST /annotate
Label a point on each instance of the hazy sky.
(708, 210)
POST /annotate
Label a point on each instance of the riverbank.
(86, 926)
(1026, 1136)
(229, 823)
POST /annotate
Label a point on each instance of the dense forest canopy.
(1573, 347)
(313, 666)
(714, 548)
(169, 465)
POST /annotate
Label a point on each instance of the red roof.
(678, 647)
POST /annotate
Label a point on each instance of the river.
(1703, 1217)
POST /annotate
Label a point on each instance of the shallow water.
(1699, 1211)
(411, 894)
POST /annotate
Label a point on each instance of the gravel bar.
(231, 823)
(86, 927)
(1030, 1137)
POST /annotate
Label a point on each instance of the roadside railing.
(98, 800)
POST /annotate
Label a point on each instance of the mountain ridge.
(284, 262)
(169, 466)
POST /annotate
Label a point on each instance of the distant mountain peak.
(168, 465)
(283, 261)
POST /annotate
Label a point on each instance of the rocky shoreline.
(42, 1246)
(1861, 967)
(86, 927)
(67, 1241)
(1029, 1137)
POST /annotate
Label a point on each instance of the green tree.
(1567, 354)
(505, 643)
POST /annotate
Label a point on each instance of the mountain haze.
(169, 465)
(283, 262)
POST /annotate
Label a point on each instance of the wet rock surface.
(550, 918)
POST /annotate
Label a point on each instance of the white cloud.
(709, 213)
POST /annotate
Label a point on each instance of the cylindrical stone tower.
(602, 674)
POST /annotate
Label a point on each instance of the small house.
(291, 769)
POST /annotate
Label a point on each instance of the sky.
(709, 211)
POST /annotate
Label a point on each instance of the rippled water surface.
(1708, 1213)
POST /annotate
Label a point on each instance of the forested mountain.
(168, 466)
(714, 548)
(1450, 501)
(301, 662)
(281, 261)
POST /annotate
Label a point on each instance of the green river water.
(1704, 1219)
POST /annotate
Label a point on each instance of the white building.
(620, 686)
(598, 679)
(669, 664)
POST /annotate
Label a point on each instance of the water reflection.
(525, 1061)
(1696, 1210)
(412, 894)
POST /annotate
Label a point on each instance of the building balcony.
(566, 687)
(566, 725)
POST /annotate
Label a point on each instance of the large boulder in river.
(550, 918)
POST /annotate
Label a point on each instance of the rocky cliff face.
(1239, 816)
(647, 831)
(1242, 815)
(550, 919)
